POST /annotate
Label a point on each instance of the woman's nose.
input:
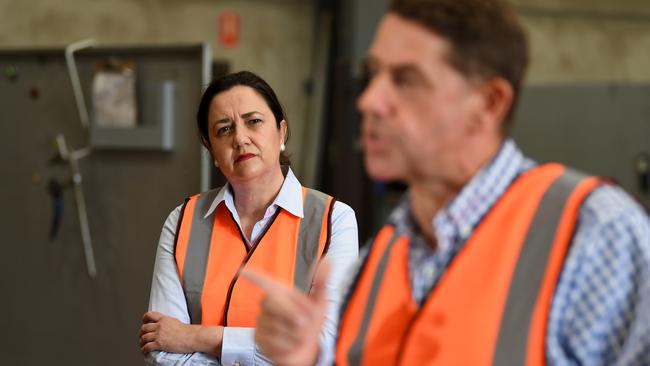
(241, 137)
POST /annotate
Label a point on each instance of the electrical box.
(154, 128)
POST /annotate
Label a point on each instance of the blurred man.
(489, 258)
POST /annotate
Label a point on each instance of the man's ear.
(497, 95)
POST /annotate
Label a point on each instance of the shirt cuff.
(238, 346)
(325, 353)
(156, 358)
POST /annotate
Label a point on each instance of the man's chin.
(382, 171)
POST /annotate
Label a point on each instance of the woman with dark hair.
(200, 310)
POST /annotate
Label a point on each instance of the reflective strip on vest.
(196, 257)
(356, 350)
(512, 341)
(314, 207)
(317, 210)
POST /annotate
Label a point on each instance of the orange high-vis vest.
(491, 305)
(210, 252)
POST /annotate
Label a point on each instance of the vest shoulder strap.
(198, 248)
(313, 236)
(543, 251)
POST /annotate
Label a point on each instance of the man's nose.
(374, 98)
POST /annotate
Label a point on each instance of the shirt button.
(465, 231)
(429, 272)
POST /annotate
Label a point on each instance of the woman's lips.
(244, 157)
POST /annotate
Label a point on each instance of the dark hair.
(227, 82)
(485, 37)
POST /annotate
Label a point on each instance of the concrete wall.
(571, 40)
(587, 41)
(276, 36)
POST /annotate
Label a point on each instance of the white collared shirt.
(238, 346)
(289, 198)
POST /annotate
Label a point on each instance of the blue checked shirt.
(600, 313)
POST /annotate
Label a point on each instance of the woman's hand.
(289, 325)
(165, 333)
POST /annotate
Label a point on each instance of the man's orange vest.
(491, 305)
(211, 250)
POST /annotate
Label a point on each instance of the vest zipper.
(407, 335)
(425, 302)
(245, 261)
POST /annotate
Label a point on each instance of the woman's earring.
(216, 165)
(282, 147)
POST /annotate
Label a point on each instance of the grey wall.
(56, 314)
(52, 312)
(600, 129)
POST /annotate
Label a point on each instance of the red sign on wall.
(229, 28)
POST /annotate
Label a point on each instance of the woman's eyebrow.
(223, 120)
(248, 114)
(245, 115)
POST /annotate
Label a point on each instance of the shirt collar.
(453, 224)
(459, 218)
(289, 198)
